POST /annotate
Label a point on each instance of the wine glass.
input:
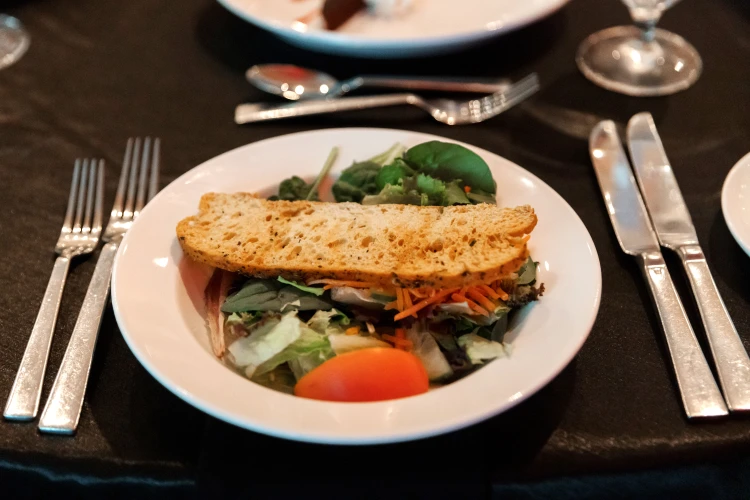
(13, 40)
(640, 60)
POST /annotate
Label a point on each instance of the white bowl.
(157, 297)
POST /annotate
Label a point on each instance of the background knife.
(675, 230)
(700, 395)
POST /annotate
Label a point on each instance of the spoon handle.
(250, 113)
(473, 85)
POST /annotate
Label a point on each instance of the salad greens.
(278, 330)
(431, 173)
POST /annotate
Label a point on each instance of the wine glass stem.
(648, 29)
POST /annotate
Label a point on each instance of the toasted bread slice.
(388, 245)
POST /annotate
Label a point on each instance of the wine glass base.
(14, 41)
(618, 59)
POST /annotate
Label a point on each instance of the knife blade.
(700, 394)
(675, 230)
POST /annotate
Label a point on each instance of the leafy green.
(479, 349)
(527, 273)
(295, 188)
(313, 194)
(387, 157)
(328, 322)
(310, 344)
(454, 194)
(479, 196)
(396, 195)
(265, 342)
(309, 289)
(356, 182)
(279, 379)
(427, 350)
(342, 342)
(271, 295)
(392, 174)
(448, 162)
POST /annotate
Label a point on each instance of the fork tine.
(153, 186)
(81, 196)
(96, 226)
(67, 224)
(89, 197)
(118, 207)
(128, 212)
(142, 185)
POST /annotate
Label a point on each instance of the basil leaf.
(309, 289)
(449, 162)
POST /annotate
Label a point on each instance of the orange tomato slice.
(373, 374)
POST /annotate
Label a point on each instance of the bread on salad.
(386, 245)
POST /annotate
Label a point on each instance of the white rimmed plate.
(735, 202)
(429, 27)
(157, 301)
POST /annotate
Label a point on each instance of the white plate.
(735, 202)
(159, 312)
(430, 27)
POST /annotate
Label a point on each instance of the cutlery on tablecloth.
(700, 394)
(79, 236)
(138, 184)
(446, 111)
(675, 230)
(297, 83)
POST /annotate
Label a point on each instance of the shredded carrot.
(407, 300)
(399, 343)
(503, 294)
(354, 330)
(424, 303)
(401, 333)
(418, 293)
(467, 189)
(481, 299)
(400, 299)
(476, 307)
(391, 305)
(489, 292)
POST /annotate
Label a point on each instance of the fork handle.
(63, 408)
(700, 394)
(23, 401)
(259, 112)
(730, 357)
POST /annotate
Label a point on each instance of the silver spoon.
(296, 83)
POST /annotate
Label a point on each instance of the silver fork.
(445, 111)
(78, 236)
(138, 184)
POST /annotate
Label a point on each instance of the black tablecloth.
(611, 424)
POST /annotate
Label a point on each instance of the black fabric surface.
(99, 71)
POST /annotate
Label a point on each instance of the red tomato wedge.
(373, 374)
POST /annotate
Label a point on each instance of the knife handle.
(700, 394)
(730, 357)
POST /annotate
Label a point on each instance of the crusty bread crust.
(388, 245)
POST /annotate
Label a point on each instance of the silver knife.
(700, 394)
(675, 230)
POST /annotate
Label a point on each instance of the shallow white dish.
(430, 27)
(157, 297)
(735, 202)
